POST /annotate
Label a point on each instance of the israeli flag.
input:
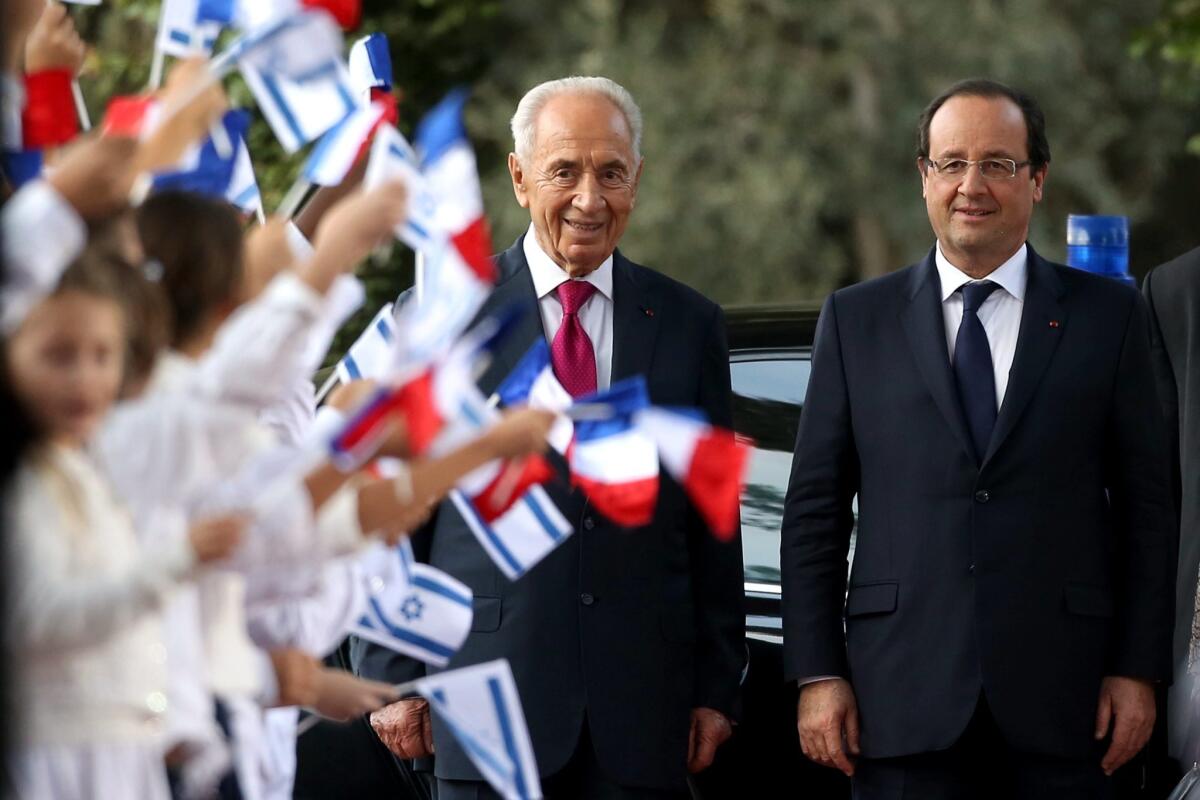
(243, 186)
(481, 707)
(372, 354)
(202, 169)
(338, 149)
(393, 158)
(521, 537)
(300, 110)
(426, 615)
(371, 64)
(181, 33)
(244, 14)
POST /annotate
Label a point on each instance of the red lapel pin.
(649, 312)
(1055, 323)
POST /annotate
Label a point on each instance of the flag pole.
(81, 109)
(156, 68)
(419, 276)
(294, 198)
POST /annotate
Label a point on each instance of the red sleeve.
(49, 118)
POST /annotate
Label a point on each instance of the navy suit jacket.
(1028, 577)
(662, 631)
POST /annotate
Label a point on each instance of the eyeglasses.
(991, 169)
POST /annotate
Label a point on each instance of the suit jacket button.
(982, 496)
(587, 599)
(971, 569)
(589, 523)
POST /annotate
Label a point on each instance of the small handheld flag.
(481, 707)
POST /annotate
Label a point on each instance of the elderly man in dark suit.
(1009, 607)
(626, 645)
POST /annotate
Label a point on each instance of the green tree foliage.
(780, 135)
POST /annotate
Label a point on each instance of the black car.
(769, 360)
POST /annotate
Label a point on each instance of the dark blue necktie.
(973, 367)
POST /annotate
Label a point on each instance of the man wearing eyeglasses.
(1009, 608)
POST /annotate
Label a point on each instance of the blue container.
(1099, 244)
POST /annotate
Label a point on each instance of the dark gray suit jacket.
(632, 628)
(1172, 292)
(1028, 577)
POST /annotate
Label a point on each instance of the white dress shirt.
(1001, 318)
(1000, 312)
(596, 315)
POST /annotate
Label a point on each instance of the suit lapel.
(514, 290)
(635, 321)
(926, 331)
(1036, 341)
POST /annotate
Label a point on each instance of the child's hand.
(187, 123)
(520, 432)
(53, 42)
(217, 538)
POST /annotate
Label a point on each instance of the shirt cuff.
(817, 679)
(338, 529)
(36, 262)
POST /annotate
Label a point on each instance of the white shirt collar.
(1011, 275)
(547, 275)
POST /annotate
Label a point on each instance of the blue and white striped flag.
(482, 708)
(244, 14)
(300, 111)
(532, 382)
(372, 354)
(421, 612)
(243, 187)
(181, 33)
(202, 169)
(371, 64)
(521, 537)
(338, 149)
(392, 158)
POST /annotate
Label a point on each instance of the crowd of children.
(180, 554)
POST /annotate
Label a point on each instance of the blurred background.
(780, 134)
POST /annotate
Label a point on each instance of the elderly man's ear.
(518, 179)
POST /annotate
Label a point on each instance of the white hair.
(524, 121)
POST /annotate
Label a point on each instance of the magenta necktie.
(571, 352)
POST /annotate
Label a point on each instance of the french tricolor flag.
(708, 462)
(532, 382)
(612, 460)
(448, 163)
(370, 64)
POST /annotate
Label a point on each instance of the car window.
(768, 393)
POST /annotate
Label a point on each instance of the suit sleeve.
(1168, 390)
(1141, 502)
(717, 575)
(818, 516)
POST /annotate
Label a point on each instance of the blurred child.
(85, 596)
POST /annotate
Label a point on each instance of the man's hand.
(95, 174)
(217, 538)
(827, 718)
(709, 731)
(53, 42)
(342, 696)
(1128, 705)
(404, 728)
(297, 674)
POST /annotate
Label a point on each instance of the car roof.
(771, 327)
